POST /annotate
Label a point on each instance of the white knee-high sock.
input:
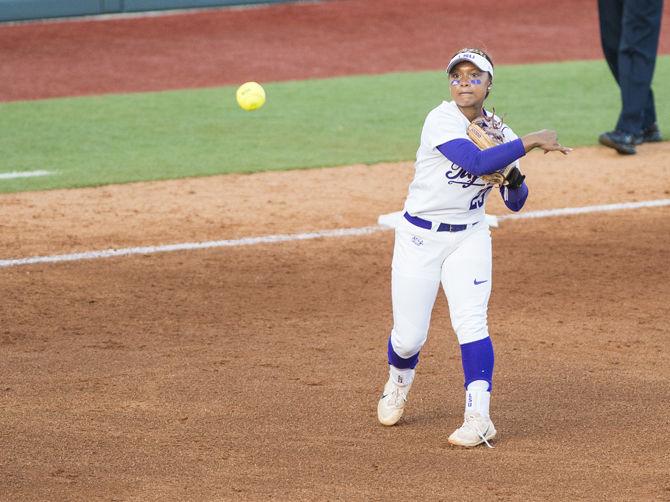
(401, 377)
(478, 398)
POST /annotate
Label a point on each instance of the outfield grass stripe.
(23, 174)
(273, 239)
(364, 119)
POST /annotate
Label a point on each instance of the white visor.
(479, 61)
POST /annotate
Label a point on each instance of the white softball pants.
(422, 259)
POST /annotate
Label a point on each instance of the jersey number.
(478, 200)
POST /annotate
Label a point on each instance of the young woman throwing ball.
(443, 238)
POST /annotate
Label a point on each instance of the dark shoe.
(622, 142)
(649, 135)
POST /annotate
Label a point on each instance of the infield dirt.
(253, 373)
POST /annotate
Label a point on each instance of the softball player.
(443, 238)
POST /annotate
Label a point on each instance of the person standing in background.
(629, 32)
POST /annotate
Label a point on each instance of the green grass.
(363, 119)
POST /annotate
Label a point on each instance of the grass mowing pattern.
(363, 119)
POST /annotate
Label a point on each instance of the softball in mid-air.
(250, 96)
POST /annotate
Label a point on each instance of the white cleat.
(392, 403)
(476, 429)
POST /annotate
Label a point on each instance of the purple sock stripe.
(399, 362)
(477, 358)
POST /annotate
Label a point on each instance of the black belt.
(443, 227)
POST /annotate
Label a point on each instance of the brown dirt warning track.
(286, 42)
(253, 372)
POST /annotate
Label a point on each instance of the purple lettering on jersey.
(478, 200)
(459, 176)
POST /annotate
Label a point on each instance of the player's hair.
(482, 53)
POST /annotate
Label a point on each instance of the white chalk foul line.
(189, 246)
(569, 211)
(23, 174)
(269, 239)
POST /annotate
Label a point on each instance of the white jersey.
(441, 190)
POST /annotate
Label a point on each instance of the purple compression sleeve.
(465, 153)
(515, 198)
(477, 358)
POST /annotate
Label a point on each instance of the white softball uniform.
(442, 192)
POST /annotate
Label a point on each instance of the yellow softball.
(250, 96)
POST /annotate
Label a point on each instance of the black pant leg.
(610, 15)
(637, 57)
(649, 112)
